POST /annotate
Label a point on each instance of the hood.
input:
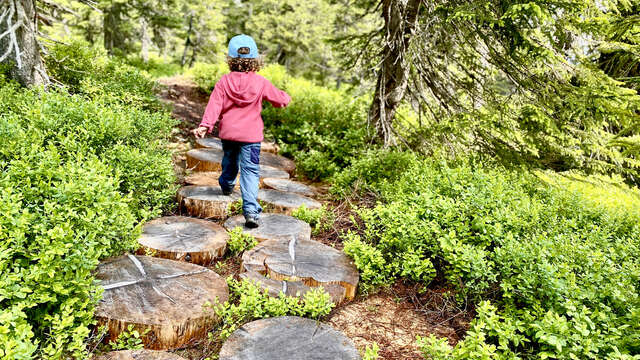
(242, 88)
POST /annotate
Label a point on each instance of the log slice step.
(288, 338)
(292, 288)
(308, 261)
(204, 159)
(287, 185)
(277, 161)
(215, 143)
(166, 297)
(138, 355)
(205, 201)
(185, 239)
(273, 227)
(210, 178)
(286, 202)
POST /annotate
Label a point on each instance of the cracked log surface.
(138, 355)
(165, 296)
(185, 239)
(273, 227)
(286, 202)
(205, 201)
(308, 261)
(289, 186)
(215, 143)
(288, 338)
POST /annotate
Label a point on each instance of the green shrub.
(248, 302)
(320, 219)
(240, 241)
(78, 175)
(207, 75)
(559, 265)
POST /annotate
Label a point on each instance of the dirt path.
(392, 317)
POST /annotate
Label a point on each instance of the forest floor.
(391, 317)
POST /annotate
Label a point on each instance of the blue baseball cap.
(243, 46)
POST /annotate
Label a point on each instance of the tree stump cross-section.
(183, 238)
(292, 288)
(288, 338)
(287, 185)
(273, 227)
(205, 201)
(205, 159)
(308, 261)
(165, 297)
(286, 202)
(138, 355)
(215, 143)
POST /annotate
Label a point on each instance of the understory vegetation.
(79, 173)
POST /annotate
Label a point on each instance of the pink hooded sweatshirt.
(237, 101)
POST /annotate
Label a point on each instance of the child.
(237, 101)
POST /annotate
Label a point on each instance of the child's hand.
(199, 132)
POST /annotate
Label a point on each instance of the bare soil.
(392, 317)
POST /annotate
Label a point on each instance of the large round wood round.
(161, 296)
(289, 186)
(184, 238)
(286, 202)
(273, 227)
(138, 355)
(205, 201)
(277, 161)
(308, 261)
(288, 338)
(204, 159)
(215, 143)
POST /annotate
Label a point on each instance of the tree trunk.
(145, 40)
(187, 42)
(400, 20)
(111, 27)
(19, 47)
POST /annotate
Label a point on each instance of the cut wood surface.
(215, 143)
(207, 178)
(287, 185)
(285, 202)
(308, 261)
(166, 297)
(206, 201)
(185, 239)
(273, 227)
(292, 288)
(210, 178)
(204, 159)
(288, 338)
(138, 355)
(277, 161)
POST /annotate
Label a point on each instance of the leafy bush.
(240, 241)
(207, 75)
(557, 272)
(248, 302)
(78, 175)
(320, 219)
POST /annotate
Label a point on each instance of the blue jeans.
(246, 158)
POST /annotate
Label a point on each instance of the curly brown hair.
(244, 64)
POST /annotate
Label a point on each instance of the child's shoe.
(226, 192)
(252, 221)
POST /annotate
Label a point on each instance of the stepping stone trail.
(205, 201)
(183, 238)
(166, 297)
(273, 227)
(210, 178)
(138, 355)
(288, 338)
(292, 288)
(286, 202)
(205, 159)
(308, 261)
